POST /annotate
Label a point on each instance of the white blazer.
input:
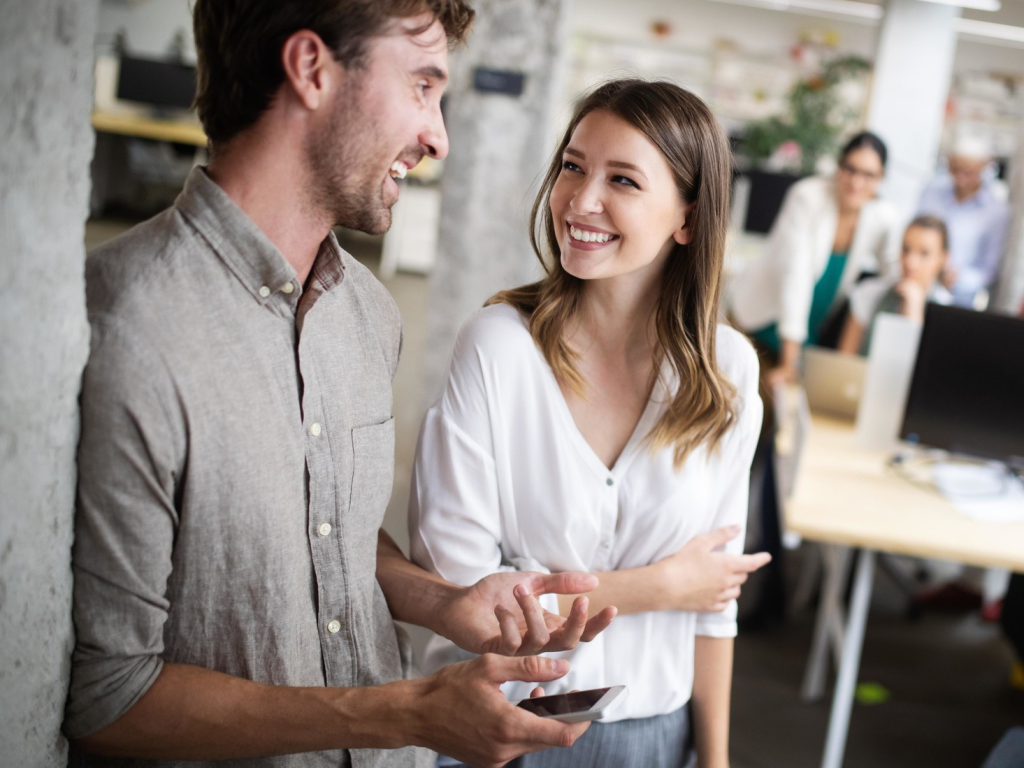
(779, 286)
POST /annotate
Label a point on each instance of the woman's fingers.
(568, 637)
(511, 641)
(537, 635)
(599, 623)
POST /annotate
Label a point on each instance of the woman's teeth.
(586, 236)
(398, 170)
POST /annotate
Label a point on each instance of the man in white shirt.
(976, 216)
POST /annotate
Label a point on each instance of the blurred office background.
(920, 74)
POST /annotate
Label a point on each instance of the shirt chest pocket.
(373, 473)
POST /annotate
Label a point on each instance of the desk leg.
(842, 700)
(829, 620)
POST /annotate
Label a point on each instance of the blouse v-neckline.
(583, 446)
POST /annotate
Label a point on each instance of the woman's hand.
(914, 299)
(788, 370)
(783, 376)
(700, 578)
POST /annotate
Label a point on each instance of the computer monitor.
(161, 84)
(967, 391)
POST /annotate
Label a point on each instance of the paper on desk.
(981, 492)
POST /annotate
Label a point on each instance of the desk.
(846, 496)
(128, 124)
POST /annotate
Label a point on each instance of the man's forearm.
(191, 713)
(413, 594)
(712, 683)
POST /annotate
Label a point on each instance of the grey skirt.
(662, 741)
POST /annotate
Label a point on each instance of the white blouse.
(504, 480)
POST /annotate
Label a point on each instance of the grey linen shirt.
(235, 463)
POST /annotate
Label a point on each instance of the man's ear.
(307, 68)
(683, 234)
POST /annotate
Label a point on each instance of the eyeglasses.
(858, 173)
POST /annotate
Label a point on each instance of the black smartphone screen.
(563, 703)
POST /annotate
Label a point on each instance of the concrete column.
(500, 146)
(1010, 291)
(913, 67)
(46, 55)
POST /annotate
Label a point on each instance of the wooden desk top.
(845, 495)
(127, 124)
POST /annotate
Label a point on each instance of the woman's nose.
(587, 199)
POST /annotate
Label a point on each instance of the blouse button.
(324, 529)
(334, 626)
(609, 481)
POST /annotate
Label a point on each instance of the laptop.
(834, 382)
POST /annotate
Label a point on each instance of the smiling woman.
(601, 420)
(658, 180)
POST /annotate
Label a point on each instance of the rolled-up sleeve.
(129, 458)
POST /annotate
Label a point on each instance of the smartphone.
(577, 706)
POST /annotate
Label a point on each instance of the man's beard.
(345, 184)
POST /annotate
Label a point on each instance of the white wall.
(152, 24)
(697, 23)
(908, 98)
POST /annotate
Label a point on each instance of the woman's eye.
(625, 181)
(570, 166)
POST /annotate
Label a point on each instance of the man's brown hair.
(238, 44)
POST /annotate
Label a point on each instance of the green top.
(824, 297)
(825, 291)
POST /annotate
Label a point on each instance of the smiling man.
(234, 593)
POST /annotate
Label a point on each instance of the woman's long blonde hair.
(683, 128)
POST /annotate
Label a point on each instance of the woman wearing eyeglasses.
(828, 233)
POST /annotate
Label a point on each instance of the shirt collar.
(245, 249)
(979, 199)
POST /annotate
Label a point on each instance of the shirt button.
(334, 626)
(609, 481)
(264, 291)
(324, 529)
(288, 287)
(315, 429)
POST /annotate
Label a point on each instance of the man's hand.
(501, 614)
(700, 578)
(462, 712)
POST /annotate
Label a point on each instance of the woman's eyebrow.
(611, 163)
(627, 166)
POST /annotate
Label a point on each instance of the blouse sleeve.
(889, 242)
(455, 525)
(737, 454)
(865, 298)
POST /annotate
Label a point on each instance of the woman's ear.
(684, 234)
